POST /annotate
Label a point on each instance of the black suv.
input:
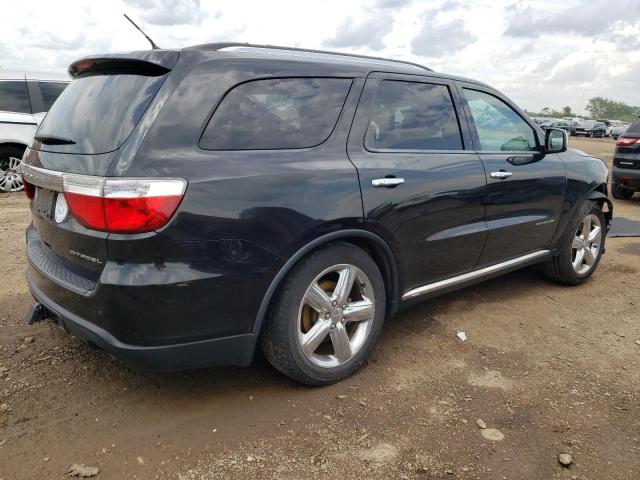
(626, 163)
(190, 204)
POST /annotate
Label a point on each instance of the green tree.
(600, 107)
(597, 107)
(567, 111)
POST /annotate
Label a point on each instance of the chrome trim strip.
(42, 177)
(450, 282)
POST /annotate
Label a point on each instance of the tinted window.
(14, 97)
(99, 112)
(634, 127)
(276, 113)
(413, 116)
(499, 127)
(50, 91)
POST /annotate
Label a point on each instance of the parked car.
(239, 195)
(580, 128)
(618, 130)
(625, 180)
(607, 125)
(588, 128)
(563, 125)
(598, 129)
(24, 97)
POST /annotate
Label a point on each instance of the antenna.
(153, 45)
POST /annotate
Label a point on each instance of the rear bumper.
(626, 177)
(194, 306)
(232, 350)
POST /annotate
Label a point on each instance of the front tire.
(326, 317)
(580, 247)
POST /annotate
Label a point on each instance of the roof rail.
(239, 45)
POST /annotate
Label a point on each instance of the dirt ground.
(548, 369)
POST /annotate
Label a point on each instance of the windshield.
(95, 114)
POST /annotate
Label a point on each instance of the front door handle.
(387, 182)
(500, 174)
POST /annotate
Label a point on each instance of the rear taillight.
(626, 141)
(122, 205)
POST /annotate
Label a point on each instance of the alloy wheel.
(10, 175)
(586, 244)
(335, 315)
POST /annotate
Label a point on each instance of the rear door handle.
(500, 174)
(387, 182)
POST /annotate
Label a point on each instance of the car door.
(525, 187)
(422, 190)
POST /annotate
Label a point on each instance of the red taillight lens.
(88, 210)
(29, 189)
(122, 205)
(626, 141)
(133, 215)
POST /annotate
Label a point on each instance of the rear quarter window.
(280, 113)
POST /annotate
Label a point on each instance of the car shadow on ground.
(418, 319)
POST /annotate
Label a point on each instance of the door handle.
(387, 182)
(500, 174)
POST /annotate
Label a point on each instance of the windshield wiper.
(53, 140)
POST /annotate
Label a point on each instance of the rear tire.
(580, 247)
(10, 175)
(326, 317)
(620, 193)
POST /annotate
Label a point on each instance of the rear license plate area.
(44, 202)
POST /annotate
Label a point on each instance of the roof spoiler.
(151, 63)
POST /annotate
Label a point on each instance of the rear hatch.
(81, 134)
(627, 153)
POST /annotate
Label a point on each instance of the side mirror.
(555, 140)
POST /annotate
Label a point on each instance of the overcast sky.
(540, 53)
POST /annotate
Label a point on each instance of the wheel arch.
(600, 195)
(371, 243)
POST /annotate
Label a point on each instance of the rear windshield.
(276, 114)
(98, 112)
(634, 127)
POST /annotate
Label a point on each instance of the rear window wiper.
(53, 140)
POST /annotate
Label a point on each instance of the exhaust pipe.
(37, 313)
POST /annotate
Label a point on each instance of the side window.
(50, 91)
(412, 116)
(276, 114)
(14, 97)
(499, 127)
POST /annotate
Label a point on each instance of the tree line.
(598, 107)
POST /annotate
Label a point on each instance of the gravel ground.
(546, 370)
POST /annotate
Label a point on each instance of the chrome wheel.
(10, 175)
(586, 244)
(335, 315)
